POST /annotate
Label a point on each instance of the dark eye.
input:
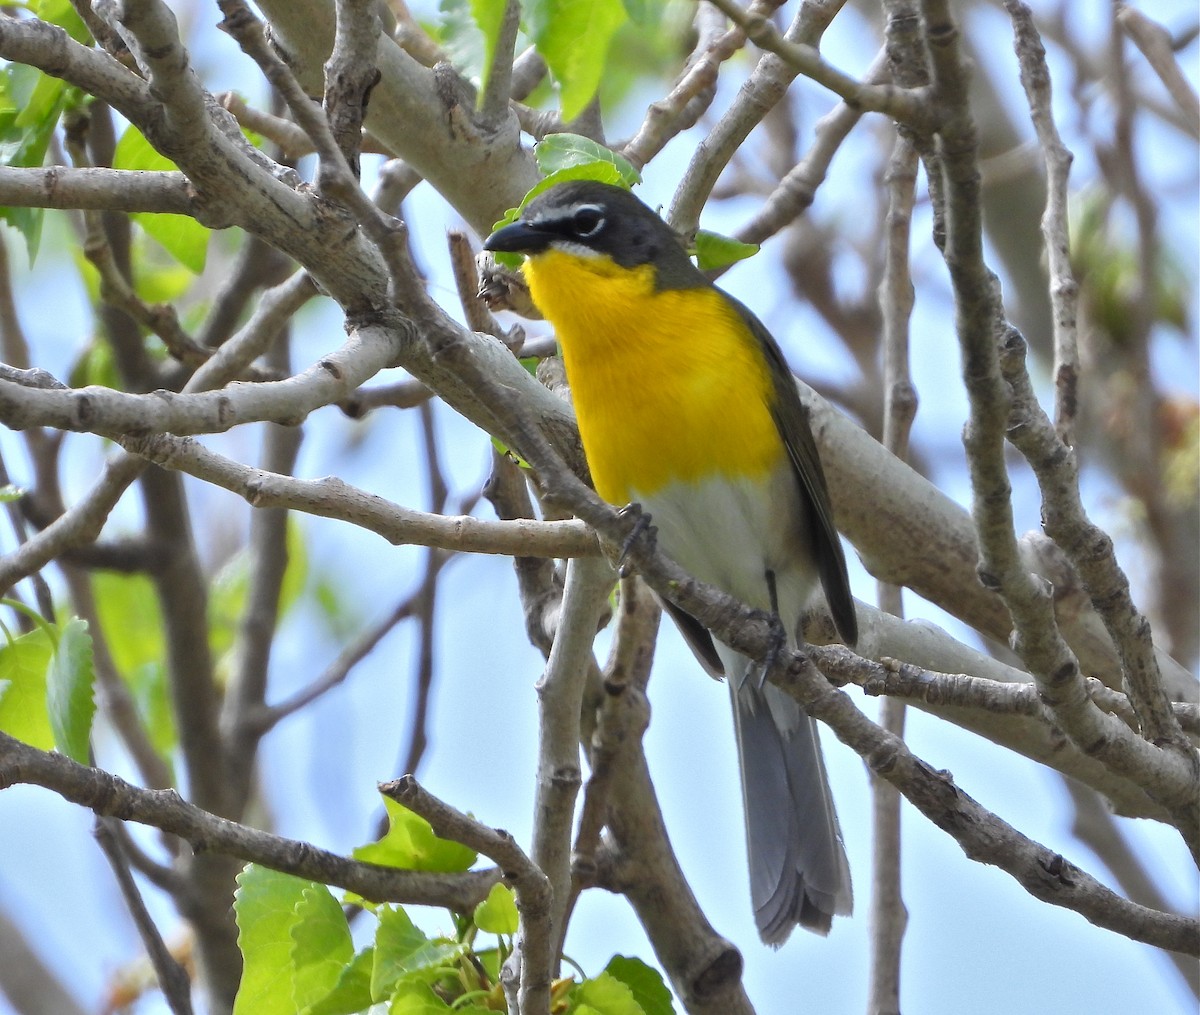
(587, 221)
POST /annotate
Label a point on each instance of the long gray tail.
(798, 867)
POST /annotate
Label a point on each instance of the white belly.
(728, 534)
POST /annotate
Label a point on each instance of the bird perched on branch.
(686, 406)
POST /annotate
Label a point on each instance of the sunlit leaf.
(574, 36)
(265, 905)
(401, 948)
(497, 914)
(556, 152)
(604, 995)
(23, 711)
(411, 844)
(181, 236)
(63, 14)
(644, 982)
(352, 992)
(489, 16)
(127, 606)
(69, 700)
(716, 251)
(321, 946)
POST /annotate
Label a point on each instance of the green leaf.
(63, 14)
(352, 992)
(416, 997)
(23, 665)
(604, 995)
(497, 914)
(335, 609)
(321, 946)
(130, 618)
(133, 151)
(69, 699)
(574, 37)
(644, 982)
(556, 152)
(411, 844)
(41, 104)
(132, 625)
(504, 449)
(489, 16)
(644, 13)
(161, 280)
(182, 236)
(401, 948)
(30, 105)
(461, 37)
(265, 905)
(716, 251)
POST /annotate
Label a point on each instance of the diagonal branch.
(109, 796)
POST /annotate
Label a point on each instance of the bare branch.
(1168, 776)
(560, 694)
(693, 92)
(1064, 290)
(492, 107)
(350, 75)
(173, 979)
(907, 106)
(1155, 43)
(765, 88)
(534, 896)
(889, 916)
(98, 189)
(109, 796)
(333, 498)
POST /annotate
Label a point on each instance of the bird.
(687, 408)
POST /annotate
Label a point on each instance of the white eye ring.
(587, 220)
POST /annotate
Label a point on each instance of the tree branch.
(109, 796)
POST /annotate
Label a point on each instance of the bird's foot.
(776, 646)
(641, 529)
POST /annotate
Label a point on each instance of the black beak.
(519, 238)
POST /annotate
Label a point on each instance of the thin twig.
(889, 917)
(173, 979)
(1064, 289)
(755, 99)
(425, 603)
(560, 694)
(334, 498)
(692, 94)
(530, 991)
(1168, 776)
(1154, 41)
(493, 104)
(110, 796)
(798, 188)
(466, 281)
(803, 57)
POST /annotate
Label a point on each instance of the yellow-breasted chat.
(686, 405)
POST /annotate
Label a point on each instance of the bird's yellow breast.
(668, 385)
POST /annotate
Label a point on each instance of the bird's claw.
(778, 643)
(640, 529)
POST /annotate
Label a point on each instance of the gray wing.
(791, 418)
